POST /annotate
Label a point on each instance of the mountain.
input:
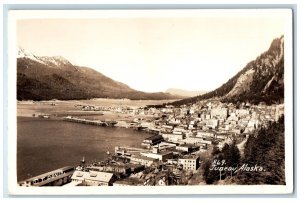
(261, 80)
(184, 93)
(46, 78)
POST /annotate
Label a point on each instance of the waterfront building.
(116, 169)
(142, 160)
(93, 178)
(173, 137)
(153, 140)
(163, 146)
(162, 156)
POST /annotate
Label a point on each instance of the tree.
(215, 151)
(266, 149)
(210, 176)
(231, 154)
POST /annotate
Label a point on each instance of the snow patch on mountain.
(56, 61)
(22, 53)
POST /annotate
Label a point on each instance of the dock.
(90, 122)
(57, 177)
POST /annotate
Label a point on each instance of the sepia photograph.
(164, 101)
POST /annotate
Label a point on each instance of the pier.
(90, 122)
(57, 177)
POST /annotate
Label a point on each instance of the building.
(154, 130)
(175, 121)
(204, 134)
(233, 117)
(253, 123)
(219, 112)
(212, 123)
(163, 146)
(221, 136)
(142, 160)
(237, 130)
(166, 128)
(162, 156)
(172, 161)
(116, 169)
(191, 140)
(173, 137)
(207, 141)
(242, 112)
(181, 128)
(189, 162)
(93, 178)
(187, 148)
(153, 140)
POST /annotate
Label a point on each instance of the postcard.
(171, 101)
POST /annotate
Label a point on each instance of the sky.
(153, 54)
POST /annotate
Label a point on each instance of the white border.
(203, 189)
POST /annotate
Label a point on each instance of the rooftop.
(143, 157)
(92, 175)
(154, 137)
(188, 146)
(189, 157)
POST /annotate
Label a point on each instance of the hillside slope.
(45, 78)
(260, 80)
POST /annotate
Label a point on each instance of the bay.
(44, 145)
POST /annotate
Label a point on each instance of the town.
(182, 137)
